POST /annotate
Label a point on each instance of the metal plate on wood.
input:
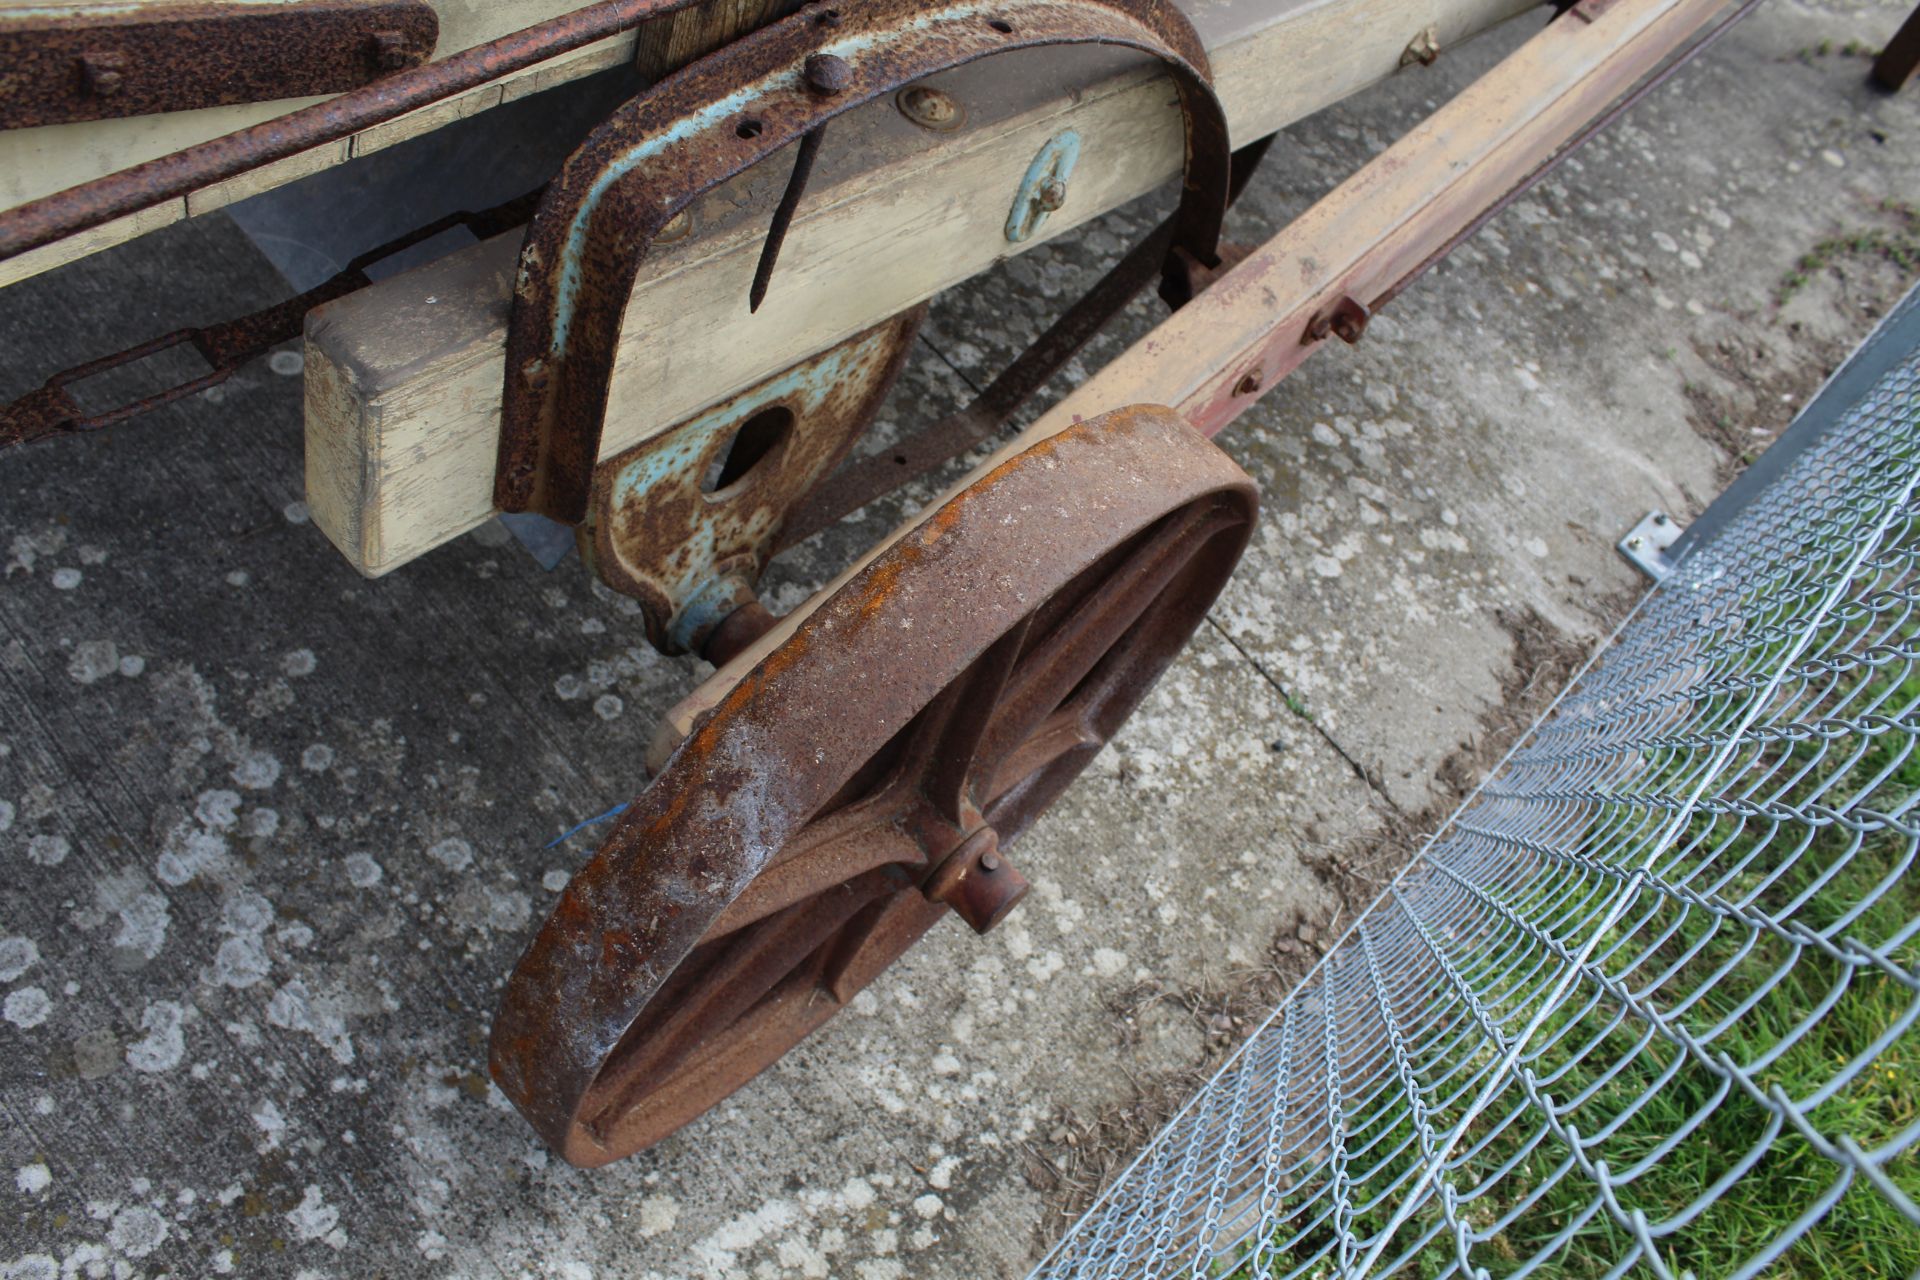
(685, 522)
(59, 66)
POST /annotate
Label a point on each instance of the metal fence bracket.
(1645, 545)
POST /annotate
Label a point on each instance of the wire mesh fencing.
(1646, 1004)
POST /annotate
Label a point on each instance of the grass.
(1899, 244)
(1800, 1021)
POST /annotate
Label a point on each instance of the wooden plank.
(906, 214)
(38, 162)
(669, 43)
(105, 236)
(1399, 209)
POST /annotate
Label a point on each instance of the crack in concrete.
(1294, 706)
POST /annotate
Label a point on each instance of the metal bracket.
(86, 64)
(1044, 188)
(724, 114)
(686, 521)
(1645, 545)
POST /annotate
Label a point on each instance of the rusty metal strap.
(54, 411)
(66, 65)
(726, 113)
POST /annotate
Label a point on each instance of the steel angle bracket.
(722, 115)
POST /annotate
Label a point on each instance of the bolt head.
(826, 74)
(1051, 195)
(930, 108)
(1635, 543)
(391, 51)
(103, 73)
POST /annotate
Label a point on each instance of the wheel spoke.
(1066, 730)
(752, 962)
(969, 709)
(879, 937)
(830, 852)
(1056, 665)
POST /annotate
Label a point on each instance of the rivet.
(826, 74)
(930, 108)
(391, 51)
(103, 73)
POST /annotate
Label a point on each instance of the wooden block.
(414, 417)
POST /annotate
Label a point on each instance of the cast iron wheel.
(862, 778)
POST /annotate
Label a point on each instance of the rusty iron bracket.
(89, 64)
(685, 522)
(726, 113)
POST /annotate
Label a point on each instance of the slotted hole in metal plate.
(751, 445)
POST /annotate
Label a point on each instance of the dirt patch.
(1083, 1153)
(1766, 372)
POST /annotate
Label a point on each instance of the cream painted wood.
(401, 444)
(1391, 215)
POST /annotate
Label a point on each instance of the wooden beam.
(1402, 207)
(404, 378)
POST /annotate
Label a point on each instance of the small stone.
(453, 853)
(27, 1008)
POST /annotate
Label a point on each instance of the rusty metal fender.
(726, 113)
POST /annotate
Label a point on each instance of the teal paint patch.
(1054, 164)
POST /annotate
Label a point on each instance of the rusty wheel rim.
(863, 779)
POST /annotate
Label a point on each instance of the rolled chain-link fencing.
(1645, 1005)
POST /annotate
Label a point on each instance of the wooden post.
(1896, 63)
(667, 44)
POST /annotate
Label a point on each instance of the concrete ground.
(273, 835)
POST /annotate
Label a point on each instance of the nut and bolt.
(1636, 542)
(104, 74)
(1248, 384)
(1424, 49)
(392, 51)
(990, 862)
(930, 108)
(1051, 195)
(826, 75)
